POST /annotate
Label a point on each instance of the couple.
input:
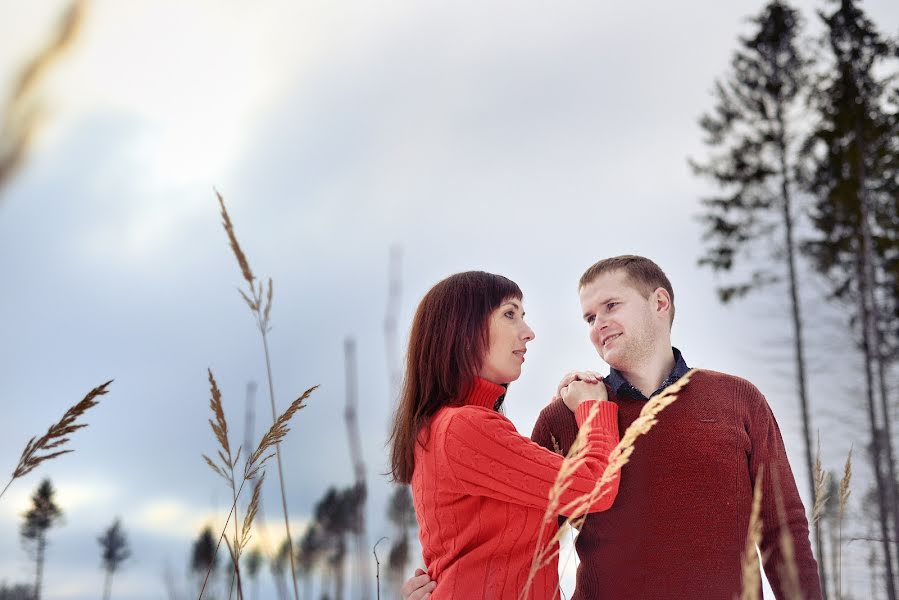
(674, 526)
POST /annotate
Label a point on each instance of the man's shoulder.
(555, 413)
(726, 383)
(711, 377)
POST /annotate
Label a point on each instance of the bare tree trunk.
(338, 581)
(880, 366)
(107, 585)
(883, 446)
(798, 344)
(39, 575)
(355, 440)
(394, 289)
(882, 502)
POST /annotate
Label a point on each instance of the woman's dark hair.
(447, 344)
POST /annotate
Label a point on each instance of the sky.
(522, 138)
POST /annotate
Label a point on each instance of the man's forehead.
(611, 283)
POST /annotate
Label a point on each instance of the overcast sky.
(521, 138)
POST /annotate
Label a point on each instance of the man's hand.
(418, 587)
(588, 376)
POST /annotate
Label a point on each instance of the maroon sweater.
(678, 526)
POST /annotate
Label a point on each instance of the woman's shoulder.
(455, 418)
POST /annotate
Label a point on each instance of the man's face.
(624, 325)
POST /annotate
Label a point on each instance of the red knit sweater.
(679, 524)
(481, 489)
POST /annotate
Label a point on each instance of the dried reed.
(821, 479)
(260, 304)
(844, 500)
(577, 509)
(252, 470)
(787, 568)
(750, 565)
(21, 114)
(56, 436)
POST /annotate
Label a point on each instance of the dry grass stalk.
(254, 300)
(56, 436)
(821, 479)
(252, 469)
(21, 116)
(750, 565)
(844, 499)
(252, 509)
(787, 568)
(556, 448)
(220, 430)
(577, 509)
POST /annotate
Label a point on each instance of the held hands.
(578, 386)
(419, 587)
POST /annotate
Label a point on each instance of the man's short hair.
(644, 275)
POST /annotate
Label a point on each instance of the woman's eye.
(510, 314)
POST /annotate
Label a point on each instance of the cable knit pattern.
(678, 526)
(481, 488)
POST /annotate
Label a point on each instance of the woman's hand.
(418, 587)
(579, 391)
(588, 376)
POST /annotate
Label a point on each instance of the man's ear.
(661, 301)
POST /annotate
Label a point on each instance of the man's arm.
(541, 434)
(779, 488)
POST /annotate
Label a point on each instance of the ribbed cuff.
(606, 417)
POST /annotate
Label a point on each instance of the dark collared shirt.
(622, 386)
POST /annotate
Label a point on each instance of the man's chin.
(615, 361)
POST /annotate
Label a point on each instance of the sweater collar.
(484, 393)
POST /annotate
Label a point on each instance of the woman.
(480, 488)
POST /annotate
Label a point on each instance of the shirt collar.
(622, 387)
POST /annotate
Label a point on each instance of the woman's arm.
(486, 456)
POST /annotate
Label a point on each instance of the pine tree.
(401, 513)
(203, 556)
(852, 173)
(43, 514)
(308, 554)
(752, 136)
(254, 561)
(115, 551)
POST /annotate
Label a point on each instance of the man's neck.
(650, 373)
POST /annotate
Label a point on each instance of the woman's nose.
(528, 333)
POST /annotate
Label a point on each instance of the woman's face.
(509, 335)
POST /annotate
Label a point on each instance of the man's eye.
(590, 320)
(611, 305)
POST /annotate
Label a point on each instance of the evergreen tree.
(203, 558)
(752, 135)
(401, 513)
(853, 176)
(43, 514)
(254, 559)
(115, 551)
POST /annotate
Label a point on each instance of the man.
(678, 527)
